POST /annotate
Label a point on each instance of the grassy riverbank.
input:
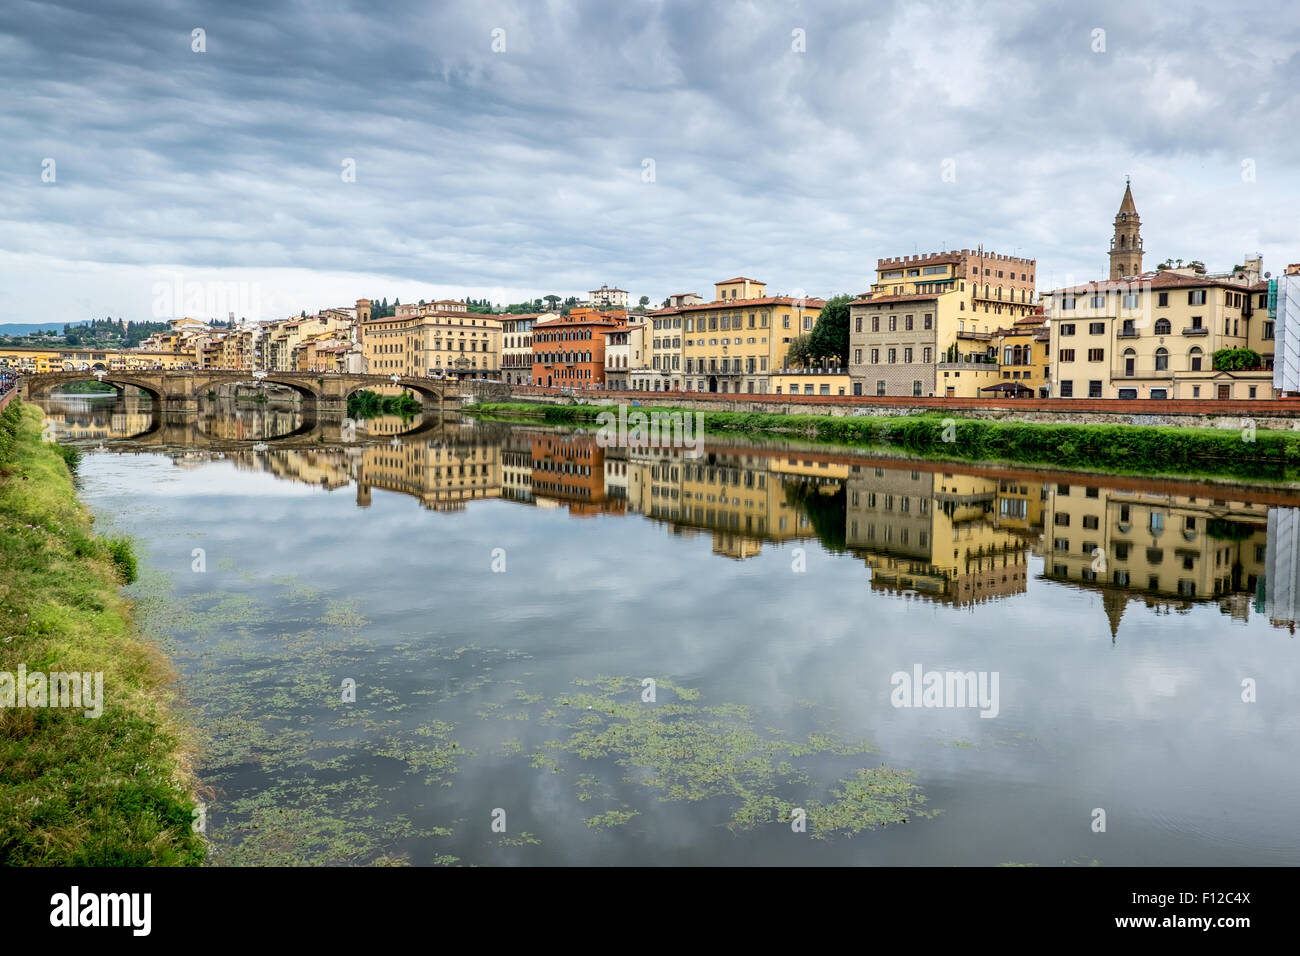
(1131, 449)
(115, 789)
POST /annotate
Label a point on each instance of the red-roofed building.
(569, 350)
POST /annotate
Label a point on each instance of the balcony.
(1128, 334)
(1196, 330)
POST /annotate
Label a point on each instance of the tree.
(830, 336)
(551, 301)
(1228, 360)
(799, 354)
(644, 301)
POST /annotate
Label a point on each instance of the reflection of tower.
(1282, 569)
(1114, 603)
(1126, 246)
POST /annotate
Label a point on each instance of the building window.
(916, 389)
(1094, 388)
(875, 356)
(1067, 328)
(1067, 355)
(907, 356)
(1067, 389)
(1196, 359)
(875, 323)
(1162, 360)
(893, 356)
(1196, 297)
(880, 387)
(1096, 328)
(1096, 355)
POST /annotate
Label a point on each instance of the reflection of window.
(1090, 522)
(1121, 551)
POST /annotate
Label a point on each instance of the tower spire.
(1126, 247)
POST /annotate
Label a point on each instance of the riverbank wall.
(1268, 414)
(96, 764)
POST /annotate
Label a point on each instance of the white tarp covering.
(1286, 333)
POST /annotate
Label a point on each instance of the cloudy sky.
(508, 150)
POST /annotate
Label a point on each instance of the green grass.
(116, 790)
(1129, 449)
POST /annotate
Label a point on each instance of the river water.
(506, 645)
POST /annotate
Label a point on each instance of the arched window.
(1162, 359)
(1162, 327)
(1195, 356)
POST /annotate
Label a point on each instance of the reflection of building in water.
(955, 539)
(92, 424)
(740, 497)
(570, 469)
(319, 467)
(516, 469)
(228, 422)
(442, 477)
(1282, 578)
(386, 426)
(1155, 544)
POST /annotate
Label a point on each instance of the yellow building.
(810, 382)
(428, 340)
(933, 324)
(732, 344)
(1155, 335)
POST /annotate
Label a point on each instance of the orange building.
(569, 350)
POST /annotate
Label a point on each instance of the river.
(508, 645)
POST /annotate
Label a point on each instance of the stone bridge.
(180, 391)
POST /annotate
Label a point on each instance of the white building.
(607, 298)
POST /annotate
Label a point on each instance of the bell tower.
(1126, 247)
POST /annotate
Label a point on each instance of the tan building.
(1155, 336)
(933, 324)
(427, 340)
(732, 344)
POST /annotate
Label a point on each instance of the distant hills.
(26, 328)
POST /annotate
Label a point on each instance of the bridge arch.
(431, 393)
(40, 386)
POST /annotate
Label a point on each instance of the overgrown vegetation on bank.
(1141, 449)
(116, 789)
(368, 404)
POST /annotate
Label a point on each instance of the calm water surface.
(500, 596)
